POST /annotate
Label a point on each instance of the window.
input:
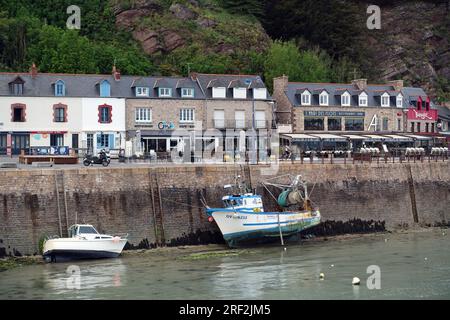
(105, 114)
(260, 93)
(363, 102)
(187, 115)
(239, 93)
(18, 112)
(87, 230)
(105, 141)
(239, 116)
(385, 124)
(60, 89)
(142, 92)
(427, 127)
(143, 115)
(334, 124)
(399, 125)
(432, 127)
(219, 118)
(412, 126)
(418, 126)
(60, 115)
(105, 89)
(16, 87)
(385, 100)
(345, 99)
(306, 98)
(219, 92)
(356, 124)
(323, 99)
(399, 101)
(260, 119)
(56, 140)
(187, 92)
(314, 124)
(90, 142)
(165, 92)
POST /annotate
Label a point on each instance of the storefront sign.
(163, 125)
(414, 114)
(333, 114)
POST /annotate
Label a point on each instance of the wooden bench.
(49, 158)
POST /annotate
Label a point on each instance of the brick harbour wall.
(127, 200)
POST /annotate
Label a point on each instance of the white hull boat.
(243, 219)
(84, 242)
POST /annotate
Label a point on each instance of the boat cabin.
(82, 230)
(246, 201)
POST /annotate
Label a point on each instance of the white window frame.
(306, 98)
(399, 101)
(165, 92)
(187, 92)
(142, 92)
(239, 121)
(345, 96)
(187, 115)
(143, 115)
(383, 97)
(260, 119)
(363, 97)
(219, 122)
(219, 92)
(325, 95)
(239, 93)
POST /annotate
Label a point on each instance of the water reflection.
(69, 277)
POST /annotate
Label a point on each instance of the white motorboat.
(84, 242)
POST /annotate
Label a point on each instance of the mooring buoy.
(322, 276)
(356, 281)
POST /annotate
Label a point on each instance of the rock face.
(411, 44)
(182, 12)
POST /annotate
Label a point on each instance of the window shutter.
(111, 141)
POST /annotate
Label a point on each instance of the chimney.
(397, 84)
(280, 84)
(116, 73)
(361, 84)
(194, 76)
(33, 70)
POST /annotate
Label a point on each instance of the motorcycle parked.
(102, 159)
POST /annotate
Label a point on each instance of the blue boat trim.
(249, 211)
(283, 222)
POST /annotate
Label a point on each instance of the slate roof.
(443, 112)
(229, 81)
(82, 85)
(335, 90)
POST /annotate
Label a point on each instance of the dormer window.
(219, 92)
(345, 99)
(323, 98)
(16, 87)
(240, 93)
(165, 92)
(385, 100)
(142, 92)
(105, 88)
(60, 88)
(187, 92)
(399, 101)
(260, 93)
(362, 100)
(306, 98)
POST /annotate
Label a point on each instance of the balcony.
(241, 124)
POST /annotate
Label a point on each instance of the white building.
(40, 110)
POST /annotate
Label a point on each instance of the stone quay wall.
(162, 205)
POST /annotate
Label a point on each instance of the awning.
(329, 137)
(300, 137)
(373, 137)
(417, 137)
(394, 137)
(354, 137)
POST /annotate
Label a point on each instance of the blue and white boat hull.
(241, 225)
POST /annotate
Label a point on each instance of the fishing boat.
(243, 218)
(84, 242)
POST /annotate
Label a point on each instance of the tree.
(306, 66)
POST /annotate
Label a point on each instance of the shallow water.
(413, 266)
